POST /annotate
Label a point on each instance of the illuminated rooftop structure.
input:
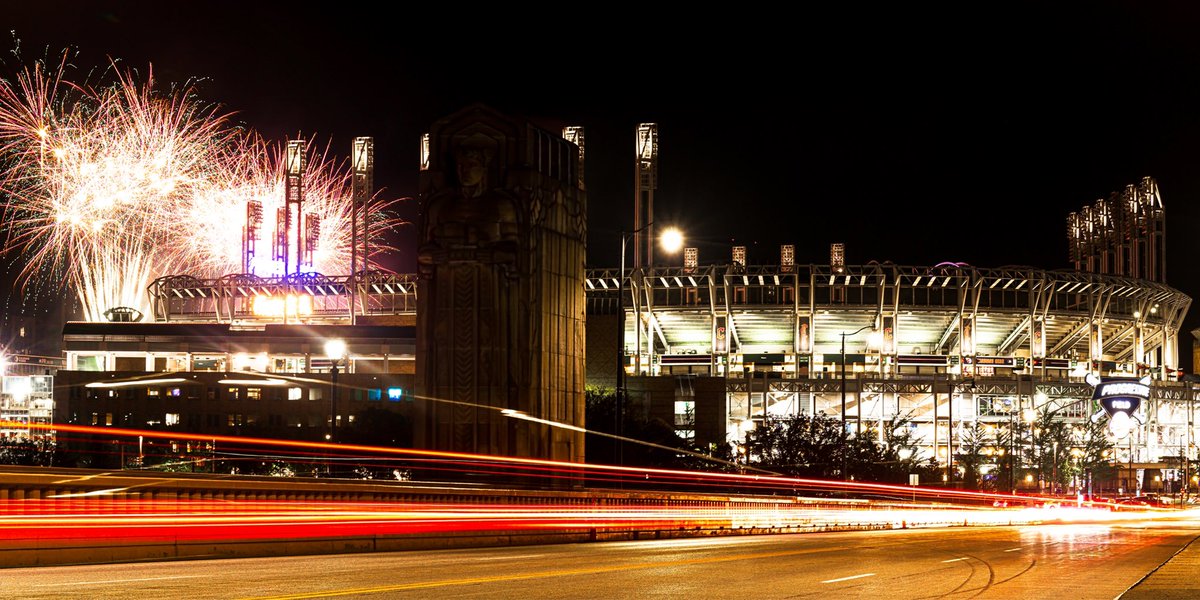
(1124, 234)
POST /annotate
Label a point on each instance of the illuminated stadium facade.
(942, 343)
(717, 348)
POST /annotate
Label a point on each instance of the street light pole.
(619, 409)
(336, 351)
(671, 239)
(1054, 470)
(1012, 459)
(843, 388)
(333, 398)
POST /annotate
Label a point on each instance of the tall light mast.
(363, 163)
(643, 202)
(293, 208)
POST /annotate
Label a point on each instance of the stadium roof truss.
(309, 297)
(799, 309)
(676, 310)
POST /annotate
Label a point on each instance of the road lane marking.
(518, 557)
(955, 559)
(1013, 549)
(91, 493)
(848, 578)
(118, 580)
(544, 574)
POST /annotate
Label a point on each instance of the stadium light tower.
(646, 182)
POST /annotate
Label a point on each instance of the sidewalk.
(1175, 579)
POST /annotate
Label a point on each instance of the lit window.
(254, 393)
(171, 419)
(151, 391)
(88, 363)
(685, 415)
(294, 393)
(108, 418)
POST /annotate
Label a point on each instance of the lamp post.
(336, 351)
(1012, 432)
(1054, 470)
(843, 387)
(1134, 490)
(671, 240)
(1029, 415)
(1012, 445)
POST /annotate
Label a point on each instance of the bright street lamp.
(671, 241)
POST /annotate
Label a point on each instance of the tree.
(901, 443)
(378, 427)
(660, 446)
(1095, 462)
(801, 446)
(1049, 450)
(600, 416)
(1007, 454)
(812, 446)
(32, 453)
(868, 460)
(971, 455)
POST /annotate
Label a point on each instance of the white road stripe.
(848, 578)
(955, 559)
(118, 580)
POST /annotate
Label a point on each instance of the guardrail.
(71, 516)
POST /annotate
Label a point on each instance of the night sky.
(911, 134)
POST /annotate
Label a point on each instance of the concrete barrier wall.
(93, 494)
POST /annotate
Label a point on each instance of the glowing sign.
(1123, 389)
(275, 306)
(1119, 398)
(395, 394)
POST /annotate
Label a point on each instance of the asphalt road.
(1060, 562)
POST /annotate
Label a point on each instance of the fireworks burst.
(216, 217)
(112, 186)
